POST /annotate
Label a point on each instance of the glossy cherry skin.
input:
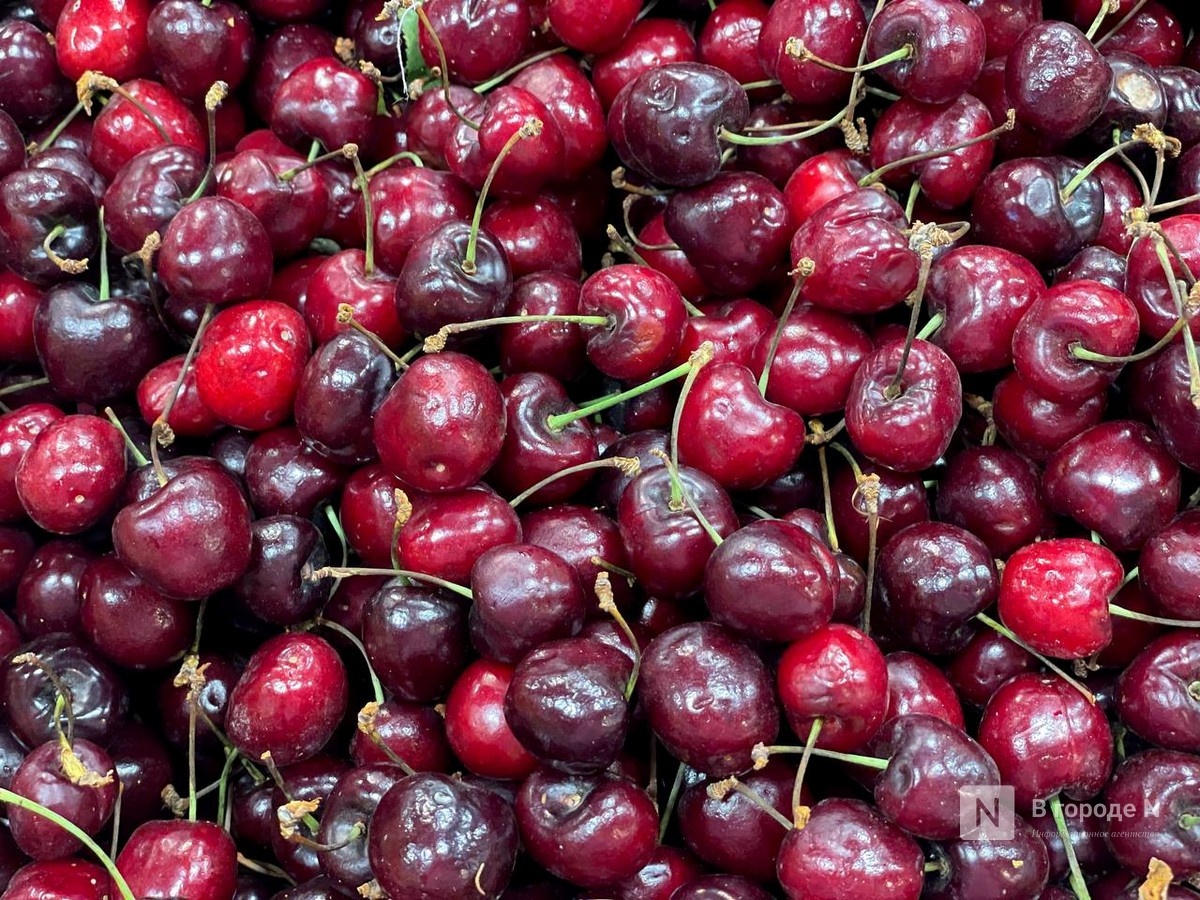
(1019, 207)
(215, 251)
(408, 203)
(35, 201)
(108, 37)
(368, 513)
(832, 29)
(666, 545)
(729, 431)
(81, 879)
(903, 500)
(1035, 426)
(707, 696)
(1124, 502)
(1056, 80)
(974, 868)
(1161, 787)
(1154, 694)
(292, 209)
(983, 292)
(416, 639)
(122, 131)
(433, 836)
(72, 473)
(440, 393)
(910, 431)
(948, 42)
(669, 870)
(871, 857)
(772, 581)
(48, 592)
(988, 660)
(193, 45)
(566, 703)
(555, 349)
(666, 122)
(863, 262)
(995, 494)
(1166, 566)
(591, 830)
(477, 726)
(838, 675)
(450, 531)
(148, 191)
(1179, 87)
(580, 534)
(1087, 313)
(179, 859)
(17, 432)
(572, 102)
(34, 89)
(1173, 413)
(1146, 284)
(18, 303)
(1046, 737)
(929, 763)
(729, 38)
(41, 779)
(933, 578)
(129, 621)
(1054, 595)
(525, 596)
(273, 586)
(917, 686)
(734, 229)
(353, 800)
(646, 319)
(417, 734)
(308, 670)
(250, 362)
(324, 100)
(648, 44)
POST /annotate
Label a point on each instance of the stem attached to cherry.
(530, 128)
(1181, 306)
(70, 266)
(436, 342)
(560, 421)
(800, 812)
(794, 47)
(1078, 884)
(340, 572)
(628, 465)
(608, 604)
(872, 177)
(800, 274)
(1044, 660)
(699, 359)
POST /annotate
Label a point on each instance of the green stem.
(338, 572)
(872, 177)
(700, 358)
(672, 799)
(679, 494)
(624, 463)
(531, 128)
(1078, 885)
(797, 50)
(745, 140)
(892, 391)
(138, 456)
(508, 73)
(76, 832)
(814, 732)
(376, 687)
(104, 284)
(49, 140)
(443, 66)
(1048, 663)
(1189, 343)
(392, 160)
(870, 762)
(938, 319)
(1083, 174)
(804, 269)
(23, 385)
(1081, 352)
(436, 342)
(1125, 20)
(364, 188)
(1123, 613)
(560, 421)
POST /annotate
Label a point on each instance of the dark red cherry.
(130, 621)
(34, 89)
(1004, 21)
(215, 251)
(572, 102)
(915, 685)
(1154, 694)
(477, 725)
(831, 29)
(1146, 283)
(978, 867)
(17, 432)
(1035, 426)
(537, 236)
(108, 37)
(179, 859)
(729, 39)
(646, 319)
(48, 592)
(1056, 80)
(585, 537)
(417, 734)
(590, 830)
(368, 513)
(1046, 737)
(291, 206)
(193, 45)
(1160, 789)
(18, 303)
(451, 530)
(588, 28)
(480, 40)
(1180, 85)
(555, 349)
(650, 43)
(36, 204)
(1174, 414)
(411, 201)
(434, 836)
(148, 191)
(324, 100)
(903, 500)
(441, 392)
(308, 670)
(948, 47)
(988, 660)
(1166, 566)
(273, 586)
(353, 801)
(280, 53)
(708, 697)
(698, 101)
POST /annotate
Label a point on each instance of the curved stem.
(1125, 20)
(1161, 245)
(339, 572)
(443, 66)
(1048, 663)
(701, 357)
(345, 316)
(872, 177)
(803, 269)
(627, 464)
(70, 266)
(1106, 7)
(678, 492)
(436, 342)
(49, 139)
(1081, 352)
(508, 73)
(745, 140)
(530, 128)
(138, 456)
(23, 385)
(870, 762)
(795, 48)
(376, 687)
(562, 420)
(1078, 885)
(1083, 174)
(608, 604)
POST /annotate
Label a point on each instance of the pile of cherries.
(565, 449)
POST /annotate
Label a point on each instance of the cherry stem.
(356, 832)
(366, 724)
(161, 432)
(345, 316)
(601, 563)
(138, 456)
(1081, 352)
(1189, 820)
(869, 486)
(933, 865)
(364, 188)
(530, 128)
(1048, 663)
(1083, 174)
(746, 140)
(58, 129)
(116, 820)
(910, 205)
(23, 385)
(872, 177)
(757, 85)
(1078, 885)
(622, 244)
(785, 126)
(62, 692)
(267, 869)
(436, 342)
(336, 525)
(626, 208)
(827, 495)
(104, 284)
(560, 421)
(90, 82)
(1123, 613)
(850, 460)
(443, 66)
(870, 762)
(70, 266)
(508, 73)
(794, 47)
(1189, 343)
(799, 818)
(719, 790)
(216, 94)
(392, 160)
(1106, 8)
(931, 327)
(700, 357)
(679, 494)
(893, 390)
(800, 274)
(76, 832)
(1157, 208)
(628, 465)
(340, 572)
(608, 604)
(672, 799)
(376, 687)
(1125, 20)
(348, 151)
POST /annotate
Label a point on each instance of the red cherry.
(476, 727)
(106, 36)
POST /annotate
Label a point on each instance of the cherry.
(273, 587)
(122, 130)
(250, 363)
(48, 592)
(411, 201)
(291, 205)
(1125, 509)
(1155, 33)
(48, 224)
(721, 887)
(193, 45)
(324, 100)
(310, 672)
(946, 46)
(76, 877)
(416, 639)
(590, 830)
(1171, 407)
(439, 392)
(1056, 80)
(902, 501)
(415, 734)
(650, 43)
(18, 303)
(1046, 737)
(645, 315)
(553, 348)
(478, 727)
(1094, 264)
(536, 236)
(848, 850)
(707, 696)
(988, 660)
(1004, 21)
(1154, 694)
(567, 702)
(904, 404)
(1136, 96)
(111, 598)
(215, 251)
(107, 36)
(280, 53)
(1164, 567)
(1160, 787)
(348, 806)
(669, 869)
(213, 699)
(1053, 340)
(1179, 85)
(436, 836)
(368, 513)
(832, 30)
(1146, 282)
(179, 859)
(1035, 426)
(973, 868)
(450, 531)
(586, 538)
(589, 29)
(917, 686)
(572, 102)
(729, 39)
(701, 102)
(148, 191)
(17, 432)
